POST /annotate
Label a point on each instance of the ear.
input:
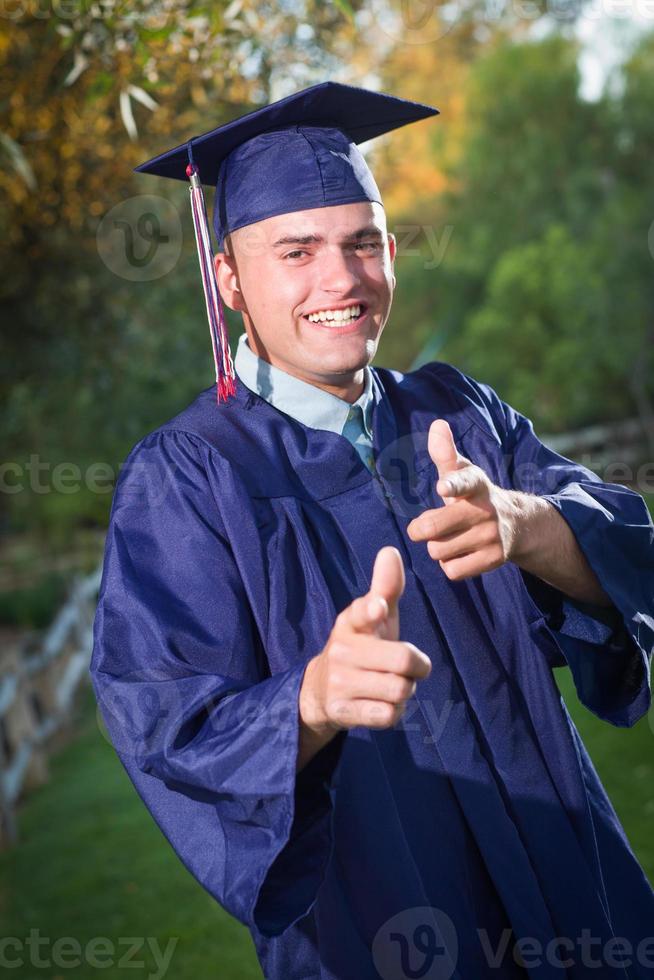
(392, 249)
(228, 283)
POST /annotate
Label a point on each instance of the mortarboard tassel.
(225, 377)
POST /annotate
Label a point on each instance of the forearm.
(545, 546)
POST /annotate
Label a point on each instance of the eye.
(370, 247)
(296, 253)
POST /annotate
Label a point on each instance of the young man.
(332, 602)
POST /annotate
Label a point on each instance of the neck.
(349, 386)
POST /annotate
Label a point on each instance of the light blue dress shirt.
(308, 404)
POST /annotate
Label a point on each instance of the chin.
(344, 365)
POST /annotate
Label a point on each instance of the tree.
(91, 359)
(545, 284)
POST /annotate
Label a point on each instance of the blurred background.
(524, 216)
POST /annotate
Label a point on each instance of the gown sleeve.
(608, 649)
(207, 735)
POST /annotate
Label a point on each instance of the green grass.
(92, 863)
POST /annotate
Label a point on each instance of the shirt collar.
(301, 400)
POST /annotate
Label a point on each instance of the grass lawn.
(92, 863)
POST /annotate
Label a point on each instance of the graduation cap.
(292, 155)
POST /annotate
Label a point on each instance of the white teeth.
(336, 316)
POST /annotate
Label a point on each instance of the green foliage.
(548, 297)
(545, 290)
(542, 285)
(91, 361)
(33, 607)
(530, 155)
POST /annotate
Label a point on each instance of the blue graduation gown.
(475, 832)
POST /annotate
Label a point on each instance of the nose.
(339, 271)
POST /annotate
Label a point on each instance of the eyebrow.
(370, 231)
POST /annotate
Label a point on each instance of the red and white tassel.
(225, 377)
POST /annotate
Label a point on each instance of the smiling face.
(294, 277)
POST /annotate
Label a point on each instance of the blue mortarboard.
(293, 155)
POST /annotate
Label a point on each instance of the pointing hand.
(476, 529)
(365, 673)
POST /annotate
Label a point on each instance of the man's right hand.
(365, 674)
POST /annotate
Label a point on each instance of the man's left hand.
(476, 530)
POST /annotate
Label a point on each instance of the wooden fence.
(601, 447)
(38, 680)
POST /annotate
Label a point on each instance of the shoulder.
(199, 431)
(175, 451)
(447, 391)
(171, 478)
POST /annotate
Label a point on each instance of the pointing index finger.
(441, 523)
